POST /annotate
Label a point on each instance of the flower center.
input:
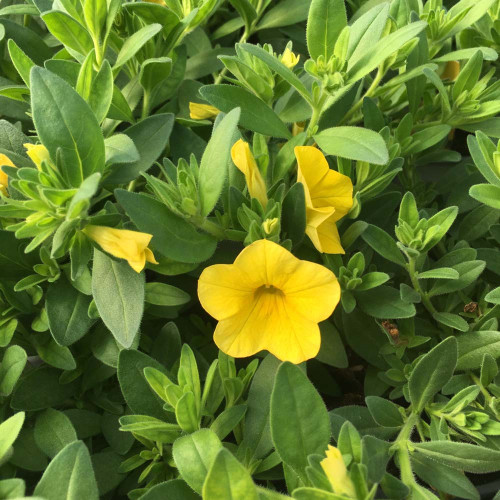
(268, 290)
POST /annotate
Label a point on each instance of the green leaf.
(255, 114)
(120, 148)
(299, 419)
(493, 296)
(432, 372)
(94, 13)
(462, 456)
(154, 71)
(194, 455)
(9, 430)
(474, 345)
(161, 294)
(69, 476)
(228, 480)
(452, 320)
(355, 143)
(135, 42)
(67, 312)
(53, 431)
(383, 244)
(384, 302)
(487, 194)
(327, 18)
(174, 489)
(468, 271)
(444, 478)
(101, 93)
(172, 236)
(384, 48)
(21, 61)
(40, 389)
(12, 366)
(285, 13)
(118, 292)
(150, 137)
(256, 430)
(441, 273)
(65, 123)
(70, 32)
(293, 216)
(384, 412)
(137, 392)
(228, 420)
(214, 162)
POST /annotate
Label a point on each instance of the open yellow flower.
(244, 160)
(37, 153)
(336, 472)
(198, 111)
(328, 198)
(4, 178)
(124, 244)
(289, 59)
(268, 300)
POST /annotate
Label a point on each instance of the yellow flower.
(37, 153)
(4, 178)
(268, 299)
(336, 472)
(451, 71)
(289, 59)
(244, 160)
(269, 225)
(199, 111)
(328, 198)
(124, 244)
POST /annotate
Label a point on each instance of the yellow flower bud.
(4, 179)
(124, 244)
(37, 153)
(269, 225)
(198, 111)
(289, 59)
(336, 472)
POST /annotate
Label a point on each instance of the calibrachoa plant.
(249, 249)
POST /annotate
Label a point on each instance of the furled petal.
(244, 160)
(289, 59)
(198, 111)
(150, 256)
(37, 153)
(323, 186)
(123, 244)
(336, 472)
(225, 290)
(329, 238)
(4, 178)
(269, 323)
(451, 71)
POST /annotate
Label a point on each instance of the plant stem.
(477, 381)
(209, 227)
(371, 89)
(401, 448)
(243, 39)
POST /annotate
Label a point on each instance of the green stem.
(485, 393)
(416, 285)
(371, 89)
(145, 105)
(401, 448)
(209, 227)
(317, 111)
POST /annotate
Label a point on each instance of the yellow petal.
(336, 472)
(224, 290)
(268, 323)
(289, 59)
(123, 244)
(451, 71)
(312, 291)
(329, 237)
(324, 187)
(198, 111)
(150, 257)
(245, 162)
(4, 178)
(37, 153)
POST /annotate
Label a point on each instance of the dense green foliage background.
(110, 383)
